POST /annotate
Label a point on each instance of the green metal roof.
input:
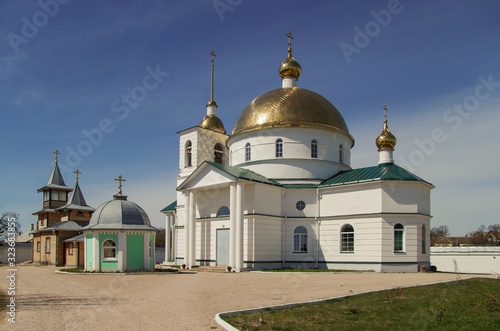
(171, 206)
(386, 172)
(242, 173)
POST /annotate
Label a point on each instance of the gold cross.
(213, 55)
(385, 112)
(77, 172)
(120, 179)
(57, 155)
(289, 35)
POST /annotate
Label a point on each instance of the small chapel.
(279, 191)
(115, 237)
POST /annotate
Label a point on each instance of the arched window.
(314, 149)
(300, 239)
(223, 211)
(189, 154)
(218, 153)
(279, 147)
(398, 238)
(424, 243)
(347, 238)
(248, 152)
(341, 153)
(109, 250)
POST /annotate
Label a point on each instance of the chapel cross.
(385, 112)
(120, 179)
(289, 35)
(77, 172)
(57, 155)
(212, 75)
(213, 55)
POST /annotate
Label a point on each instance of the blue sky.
(67, 67)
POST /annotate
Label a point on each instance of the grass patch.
(463, 305)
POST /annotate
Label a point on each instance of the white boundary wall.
(470, 259)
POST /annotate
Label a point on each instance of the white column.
(168, 228)
(96, 252)
(232, 225)
(186, 231)
(239, 225)
(192, 229)
(122, 251)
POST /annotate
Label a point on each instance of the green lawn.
(462, 305)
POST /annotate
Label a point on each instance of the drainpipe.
(283, 227)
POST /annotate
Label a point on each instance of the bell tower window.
(189, 154)
(248, 152)
(218, 153)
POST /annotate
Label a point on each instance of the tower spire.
(385, 142)
(212, 102)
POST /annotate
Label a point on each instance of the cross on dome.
(120, 180)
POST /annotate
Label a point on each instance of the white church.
(279, 191)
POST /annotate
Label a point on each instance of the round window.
(300, 205)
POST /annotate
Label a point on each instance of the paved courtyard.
(46, 300)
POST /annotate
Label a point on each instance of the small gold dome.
(290, 107)
(386, 140)
(212, 122)
(290, 67)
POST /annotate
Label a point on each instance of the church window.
(62, 196)
(398, 238)
(70, 249)
(300, 205)
(47, 245)
(341, 153)
(46, 196)
(347, 238)
(423, 240)
(109, 250)
(314, 149)
(55, 195)
(300, 239)
(189, 154)
(248, 152)
(79, 213)
(223, 211)
(218, 153)
(38, 246)
(279, 147)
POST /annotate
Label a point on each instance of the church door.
(222, 247)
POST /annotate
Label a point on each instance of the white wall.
(477, 260)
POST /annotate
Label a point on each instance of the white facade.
(283, 194)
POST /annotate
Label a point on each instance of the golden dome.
(386, 140)
(290, 67)
(290, 107)
(212, 122)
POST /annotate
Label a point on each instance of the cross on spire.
(56, 152)
(77, 172)
(120, 180)
(385, 113)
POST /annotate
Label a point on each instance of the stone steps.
(216, 269)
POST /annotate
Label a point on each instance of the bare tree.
(160, 238)
(478, 237)
(9, 223)
(439, 232)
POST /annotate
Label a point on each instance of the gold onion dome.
(212, 122)
(290, 67)
(386, 140)
(290, 107)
